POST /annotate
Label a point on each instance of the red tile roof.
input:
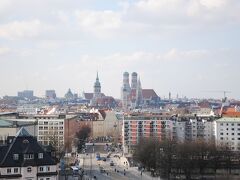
(89, 96)
(149, 93)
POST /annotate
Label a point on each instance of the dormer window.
(40, 155)
(15, 157)
(28, 156)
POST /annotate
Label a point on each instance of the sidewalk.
(145, 175)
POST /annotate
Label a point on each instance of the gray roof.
(22, 144)
(4, 123)
(22, 133)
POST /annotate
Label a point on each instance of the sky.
(186, 47)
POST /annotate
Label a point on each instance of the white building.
(193, 128)
(228, 132)
(51, 130)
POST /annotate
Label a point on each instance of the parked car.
(116, 156)
(111, 163)
(101, 169)
(104, 159)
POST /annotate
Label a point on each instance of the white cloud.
(182, 12)
(98, 22)
(4, 50)
(214, 3)
(22, 29)
(175, 54)
(50, 44)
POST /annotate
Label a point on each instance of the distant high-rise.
(134, 81)
(26, 94)
(50, 94)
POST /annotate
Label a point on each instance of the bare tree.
(82, 135)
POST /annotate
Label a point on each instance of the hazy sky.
(183, 46)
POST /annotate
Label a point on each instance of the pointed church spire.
(97, 77)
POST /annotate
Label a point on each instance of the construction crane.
(218, 91)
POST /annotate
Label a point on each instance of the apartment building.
(140, 126)
(193, 128)
(51, 130)
(228, 132)
(184, 128)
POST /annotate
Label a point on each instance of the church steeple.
(97, 87)
(97, 79)
(139, 96)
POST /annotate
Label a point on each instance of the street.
(92, 168)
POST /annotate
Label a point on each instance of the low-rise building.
(23, 158)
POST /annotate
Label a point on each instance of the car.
(101, 169)
(104, 159)
(116, 156)
(111, 163)
(109, 154)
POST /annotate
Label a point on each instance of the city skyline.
(178, 46)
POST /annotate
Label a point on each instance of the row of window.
(50, 133)
(27, 156)
(15, 170)
(44, 169)
(233, 129)
(50, 123)
(51, 127)
(29, 169)
(232, 134)
(221, 124)
(221, 138)
(49, 138)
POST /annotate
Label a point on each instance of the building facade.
(51, 131)
(26, 94)
(23, 158)
(161, 127)
(50, 94)
(228, 132)
(135, 97)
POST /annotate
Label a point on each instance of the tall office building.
(50, 94)
(26, 94)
